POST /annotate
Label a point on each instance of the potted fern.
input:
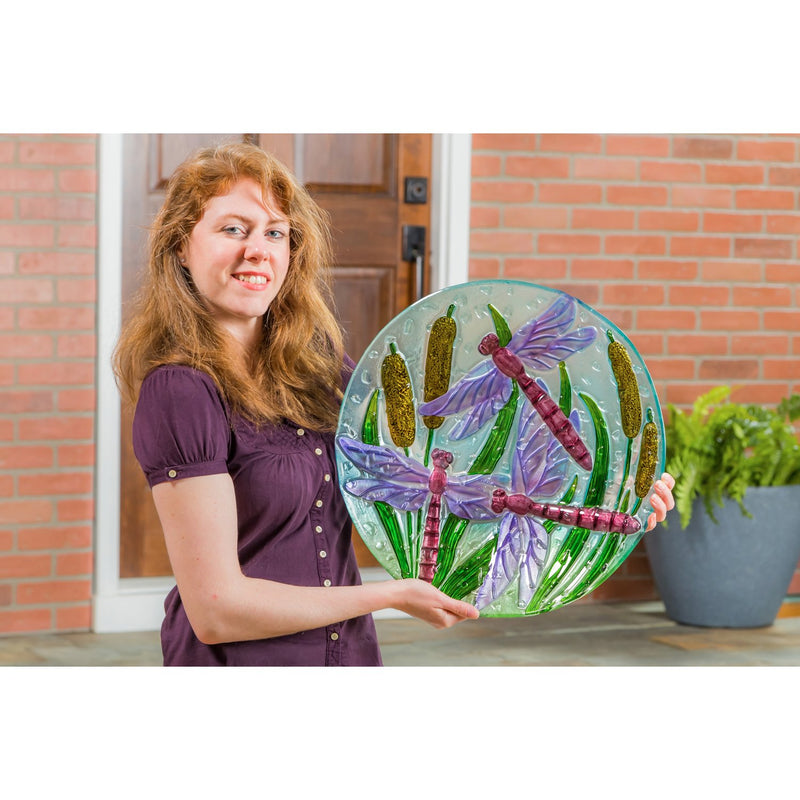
(730, 547)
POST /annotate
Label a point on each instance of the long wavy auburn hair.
(296, 373)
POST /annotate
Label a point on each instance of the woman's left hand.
(661, 500)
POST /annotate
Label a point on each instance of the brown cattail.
(648, 456)
(399, 399)
(630, 404)
(438, 362)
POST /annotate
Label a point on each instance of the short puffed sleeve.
(180, 427)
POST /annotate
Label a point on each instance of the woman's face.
(238, 257)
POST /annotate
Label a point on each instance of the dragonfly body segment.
(555, 419)
(593, 519)
(430, 538)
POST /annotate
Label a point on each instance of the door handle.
(414, 251)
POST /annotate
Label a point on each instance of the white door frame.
(131, 604)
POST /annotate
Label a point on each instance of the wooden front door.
(359, 179)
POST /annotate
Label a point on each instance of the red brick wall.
(687, 243)
(47, 380)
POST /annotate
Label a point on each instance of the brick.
(26, 290)
(621, 317)
(6, 594)
(7, 261)
(636, 244)
(74, 618)
(53, 592)
(784, 369)
(734, 173)
(7, 374)
(602, 269)
(503, 141)
(716, 222)
(76, 455)
(47, 484)
(728, 369)
(25, 621)
(698, 344)
(765, 198)
(70, 428)
(699, 246)
(25, 566)
(637, 195)
(605, 168)
(77, 235)
(701, 197)
(56, 153)
(764, 394)
(699, 295)
(761, 296)
(483, 268)
(628, 145)
(25, 346)
(26, 180)
(63, 318)
(611, 219)
(485, 166)
(762, 248)
(537, 167)
(56, 263)
(535, 217)
(781, 320)
(54, 373)
(55, 538)
(502, 192)
(56, 208)
(27, 235)
(7, 319)
(701, 147)
(7, 207)
(77, 290)
(568, 243)
(570, 193)
(588, 293)
(571, 142)
(753, 344)
(25, 511)
(729, 271)
(669, 220)
(536, 269)
(25, 402)
(7, 152)
(783, 273)
(667, 369)
(667, 270)
(648, 344)
(638, 294)
(77, 345)
(783, 223)
(501, 242)
(74, 564)
(484, 217)
(765, 150)
(667, 319)
(671, 171)
(25, 456)
(784, 176)
(729, 320)
(77, 400)
(74, 510)
(77, 180)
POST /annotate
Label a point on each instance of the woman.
(236, 367)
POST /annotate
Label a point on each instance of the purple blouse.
(293, 524)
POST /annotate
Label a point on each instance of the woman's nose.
(255, 251)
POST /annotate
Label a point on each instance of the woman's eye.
(233, 229)
(276, 234)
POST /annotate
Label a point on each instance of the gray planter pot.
(733, 573)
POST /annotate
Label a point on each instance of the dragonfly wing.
(534, 545)
(470, 496)
(384, 463)
(549, 338)
(476, 386)
(504, 565)
(405, 498)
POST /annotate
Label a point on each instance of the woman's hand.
(661, 500)
(423, 601)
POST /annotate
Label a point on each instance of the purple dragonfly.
(405, 484)
(539, 344)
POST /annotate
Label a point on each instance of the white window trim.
(132, 604)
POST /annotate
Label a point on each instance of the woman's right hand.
(425, 602)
